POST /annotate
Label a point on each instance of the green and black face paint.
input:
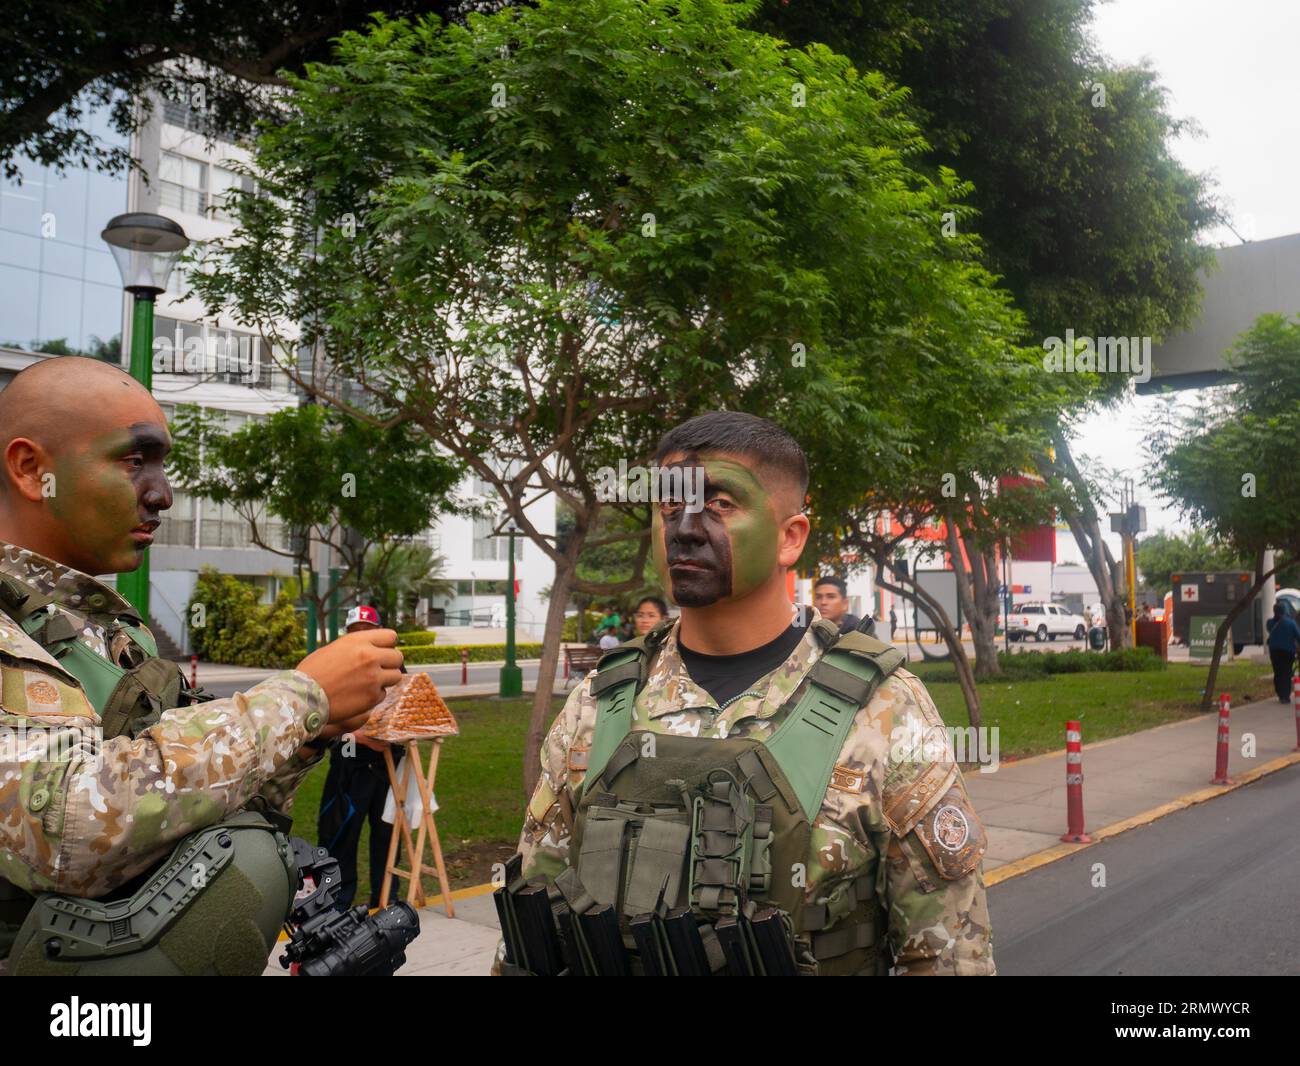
(106, 490)
(725, 551)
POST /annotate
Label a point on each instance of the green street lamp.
(146, 248)
(512, 678)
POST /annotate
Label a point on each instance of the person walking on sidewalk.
(1283, 643)
(354, 793)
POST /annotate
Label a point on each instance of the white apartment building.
(60, 293)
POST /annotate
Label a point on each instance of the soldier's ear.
(22, 471)
(792, 535)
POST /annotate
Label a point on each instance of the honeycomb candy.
(412, 710)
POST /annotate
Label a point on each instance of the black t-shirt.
(726, 676)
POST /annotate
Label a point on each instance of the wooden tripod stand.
(427, 832)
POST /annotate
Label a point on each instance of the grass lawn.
(480, 774)
(1031, 714)
(479, 789)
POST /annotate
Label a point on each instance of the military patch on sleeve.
(906, 802)
(578, 758)
(847, 779)
(953, 835)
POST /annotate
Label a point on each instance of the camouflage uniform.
(85, 822)
(896, 811)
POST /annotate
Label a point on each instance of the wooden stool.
(427, 833)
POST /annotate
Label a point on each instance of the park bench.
(579, 660)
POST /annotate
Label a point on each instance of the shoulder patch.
(907, 802)
(847, 779)
(28, 693)
(952, 835)
(579, 757)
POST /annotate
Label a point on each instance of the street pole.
(134, 585)
(334, 604)
(512, 677)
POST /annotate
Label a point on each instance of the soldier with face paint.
(82, 491)
(892, 879)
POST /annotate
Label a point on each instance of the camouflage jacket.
(79, 816)
(888, 814)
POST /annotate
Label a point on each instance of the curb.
(1191, 799)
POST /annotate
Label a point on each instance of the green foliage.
(413, 638)
(66, 59)
(1081, 662)
(240, 631)
(396, 575)
(1163, 554)
(1229, 463)
(1082, 207)
(588, 625)
(478, 653)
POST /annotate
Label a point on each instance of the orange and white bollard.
(464, 666)
(1221, 752)
(1074, 833)
(1295, 700)
(194, 671)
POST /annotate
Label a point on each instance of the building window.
(223, 180)
(183, 183)
(177, 527)
(489, 547)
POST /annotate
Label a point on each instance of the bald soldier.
(107, 761)
(741, 759)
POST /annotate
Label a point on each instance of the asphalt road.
(1211, 890)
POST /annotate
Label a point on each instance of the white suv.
(1045, 621)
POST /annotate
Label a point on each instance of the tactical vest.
(215, 906)
(673, 821)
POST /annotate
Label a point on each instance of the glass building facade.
(60, 290)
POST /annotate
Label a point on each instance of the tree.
(1082, 210)
(69, 57)
(546, 235)
(396, 577)
(1232, 470)
(1162, 554)
(330, 478)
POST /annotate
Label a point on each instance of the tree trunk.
(1084, 523)
(1225, 628)
(973, 591)
(539, 719)
(965, 677)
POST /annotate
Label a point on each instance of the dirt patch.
(471, 864)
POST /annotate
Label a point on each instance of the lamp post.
(146, 247)
(512, 678)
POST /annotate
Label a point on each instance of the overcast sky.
(1232, 66)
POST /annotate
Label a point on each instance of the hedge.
(478, 653)
(416, 638)
(1080, 662)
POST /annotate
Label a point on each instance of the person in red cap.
(354, 793)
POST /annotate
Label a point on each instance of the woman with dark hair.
(648, 614)
(1283, 642)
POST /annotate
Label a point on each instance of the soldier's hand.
(355, 670)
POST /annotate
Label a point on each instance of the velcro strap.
(715, 872)
(854, 689)
(624, 757)
(715, 817)
(842, 941)
(818, 915)
(760, 782)
(617, 675)
(717, 843)
(762, 821)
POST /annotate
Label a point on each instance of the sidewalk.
(1128, 781)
